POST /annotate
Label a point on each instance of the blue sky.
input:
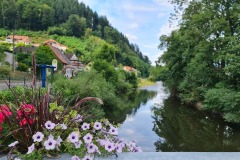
(142, 21)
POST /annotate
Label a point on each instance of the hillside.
(73, 24)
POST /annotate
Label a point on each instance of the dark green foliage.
(107, 70)
(205, 52)
(44, 55)
(2, 54)
(24, 58)
(56, 30)
(4, 71)
(75, 26)
(106, 52)
(22, 67)
(225, 101)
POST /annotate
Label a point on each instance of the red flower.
(24, 121)
(4, 111)
(28, 109)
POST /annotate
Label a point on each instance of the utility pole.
(13, 56)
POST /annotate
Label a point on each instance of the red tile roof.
(20, 38)
(128, 68)
(58, 53)
(53, 41)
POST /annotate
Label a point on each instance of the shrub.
(22, 67)
(5, 70)
(225, 101)
(56, 30)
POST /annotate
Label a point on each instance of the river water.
(158, 123)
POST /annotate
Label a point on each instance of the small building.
(18, 39)
(75, 61)
(129, 69)
(56, 44)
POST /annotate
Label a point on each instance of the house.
(75, 61)
(18, 39)
(71, 64)
(129, 69)
(59, 54)
(56, 44)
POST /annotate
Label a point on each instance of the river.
(158, 123)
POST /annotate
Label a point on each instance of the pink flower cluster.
(24, 114)
(4, 112)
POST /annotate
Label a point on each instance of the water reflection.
(185, 129)
(132, 103)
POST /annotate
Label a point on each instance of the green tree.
(76, 26)
(204, 51)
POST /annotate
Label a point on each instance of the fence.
(7, 82)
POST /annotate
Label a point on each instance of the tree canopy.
(202, 57)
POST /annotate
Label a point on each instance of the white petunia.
(73, 137)
(85, 126)
(75, 158)
(30, 149)
(49, 125)
(97, 125)
(13, 144)
(38, 137)
(88, 138)
(50, 144)
(78, 144)
(64, 127)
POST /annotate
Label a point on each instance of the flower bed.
(41, 126)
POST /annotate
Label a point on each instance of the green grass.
(145, 82)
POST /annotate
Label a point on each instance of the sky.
(142, 21)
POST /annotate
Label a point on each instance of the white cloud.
(167, 28)
(131, 37)
(134, 25)
(141, 8)
(165, 3)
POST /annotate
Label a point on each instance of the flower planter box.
(164, 156)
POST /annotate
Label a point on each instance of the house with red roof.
(18, 39)
(56, 44)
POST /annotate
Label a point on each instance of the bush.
(225, 101)
(87, 84)
(5, 71)
(22, 67)
(56, 30)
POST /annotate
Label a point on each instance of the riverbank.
(145, 82)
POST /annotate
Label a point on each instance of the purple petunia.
(85, 126)
(97, 125)
(78, 144)
(31, 148)
(73, 137)
(88, 138)
(50, 144)
(91, 148)
(113, 130)
(38, 137)
(49, 125)
(13, 144)
(87, 158)
(64, 127)
(77, 118)
(109, 147)
(75, 158)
